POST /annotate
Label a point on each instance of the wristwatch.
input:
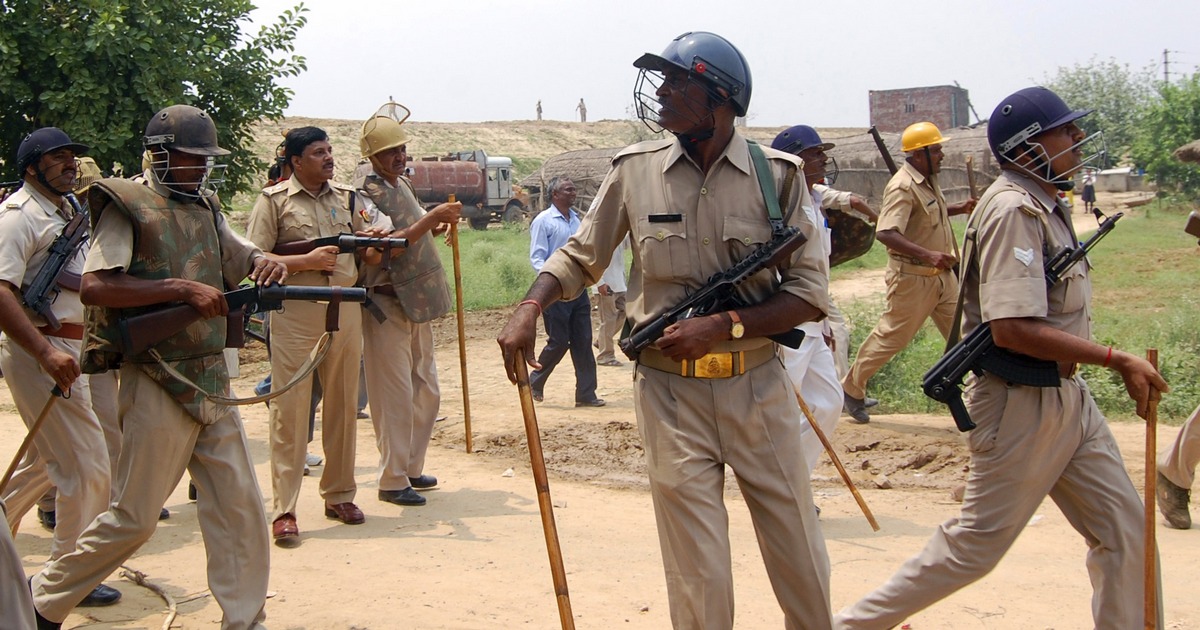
(736, 329)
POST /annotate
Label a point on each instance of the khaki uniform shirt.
(914, 206)
(687, 225)
(112, 243)
(29, 223)
(287, 212)
(1020, 226)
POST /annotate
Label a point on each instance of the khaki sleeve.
(580, 263)
(897, 207)
(1012, 282)
(111, 242)
(263, 227)
(17, 246)
(835, 199)
(237, 253)
(806, 274)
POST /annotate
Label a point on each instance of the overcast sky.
(813, 63)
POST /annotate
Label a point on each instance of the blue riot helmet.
(1023, 115)
(707, 59)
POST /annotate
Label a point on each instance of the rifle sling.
(314, 359)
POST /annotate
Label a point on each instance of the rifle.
(141, 332)
(346, 244)
(978, 353)
(883, 150)
(718, 293)
(44, 289)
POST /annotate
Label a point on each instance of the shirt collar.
(571, 214)
(737, 153)
(43, 202)
(295, 187)
(913, 172)
(1031, 186)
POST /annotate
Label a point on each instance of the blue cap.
(1026, 113)
(796, 139)
(43, 141)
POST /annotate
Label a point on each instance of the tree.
(1118, 94)
(99, 69)
(1170, 122)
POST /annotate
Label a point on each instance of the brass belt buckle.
(715, 365)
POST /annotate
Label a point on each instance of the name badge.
(665, 218)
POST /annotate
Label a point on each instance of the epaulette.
(271, 190)
(340, 186)
(646, 146)
(775, 154)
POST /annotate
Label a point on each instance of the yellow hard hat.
(920, 135)
(383, 131)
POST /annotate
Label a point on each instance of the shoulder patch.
(275, 188)
(340, 186)
(774, 154)
(647, 146)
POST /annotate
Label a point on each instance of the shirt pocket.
(664, 249)
(743, 235)
(296, 224)
(1074, 292)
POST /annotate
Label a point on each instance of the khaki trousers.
(294, 332)
(16, 605)
(611, 308)
(1029, 442)
(841, 341)
(70, 451)
(402, 379)
(104, 403)
(158, 442)
(1178, 463)
(814, 377)
(691, 428)
(911, 299)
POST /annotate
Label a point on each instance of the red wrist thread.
(533, 302)
(1107, 358)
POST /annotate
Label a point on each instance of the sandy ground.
(475, 556)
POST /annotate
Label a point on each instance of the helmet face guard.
(181, 180)
(1037, 162)
(831, 171)
(697, 112)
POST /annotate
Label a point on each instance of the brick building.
(943, 105)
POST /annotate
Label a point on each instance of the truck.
(481, 182)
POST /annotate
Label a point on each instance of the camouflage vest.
(417, 274)
(170, 240)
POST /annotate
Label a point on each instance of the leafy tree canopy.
(99, 69)
(1118, 94)
(1169, 123)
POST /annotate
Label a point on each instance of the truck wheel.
(513, 214)
(480, 223)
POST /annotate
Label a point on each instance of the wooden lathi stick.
(55, 394)
(462, 335)
(1151, 576)
(542, 483)
(837, 463)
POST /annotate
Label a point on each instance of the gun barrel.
(278, 292)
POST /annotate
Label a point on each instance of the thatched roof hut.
(1189, 152)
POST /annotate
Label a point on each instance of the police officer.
(305, 206)
(1032, 441)
(914, 225)
(400, 368)
(712, 391)
(161, 238)
(37, 353)
(811, 366)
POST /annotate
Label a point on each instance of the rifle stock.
(141, 332)
(719, 291)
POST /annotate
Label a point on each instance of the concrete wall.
(943, 105)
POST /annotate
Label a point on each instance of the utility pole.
(1166, 66)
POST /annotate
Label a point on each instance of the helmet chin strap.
(41, 178)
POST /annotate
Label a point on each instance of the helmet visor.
(679, 104)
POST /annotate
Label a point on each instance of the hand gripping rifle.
(44, 289)
(977, 352)
(718, 293)
(141, 332)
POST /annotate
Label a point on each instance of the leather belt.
(912, 269)
(385, 289)
(1067, 370)
(712, 365)
(66, 331)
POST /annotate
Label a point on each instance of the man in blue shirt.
(568, 323)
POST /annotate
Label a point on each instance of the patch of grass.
(495, 265)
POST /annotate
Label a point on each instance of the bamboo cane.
(1150, 615)
(55, 394)
(971, 189)
(837, 463)
(462, 335)
(557, 571)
